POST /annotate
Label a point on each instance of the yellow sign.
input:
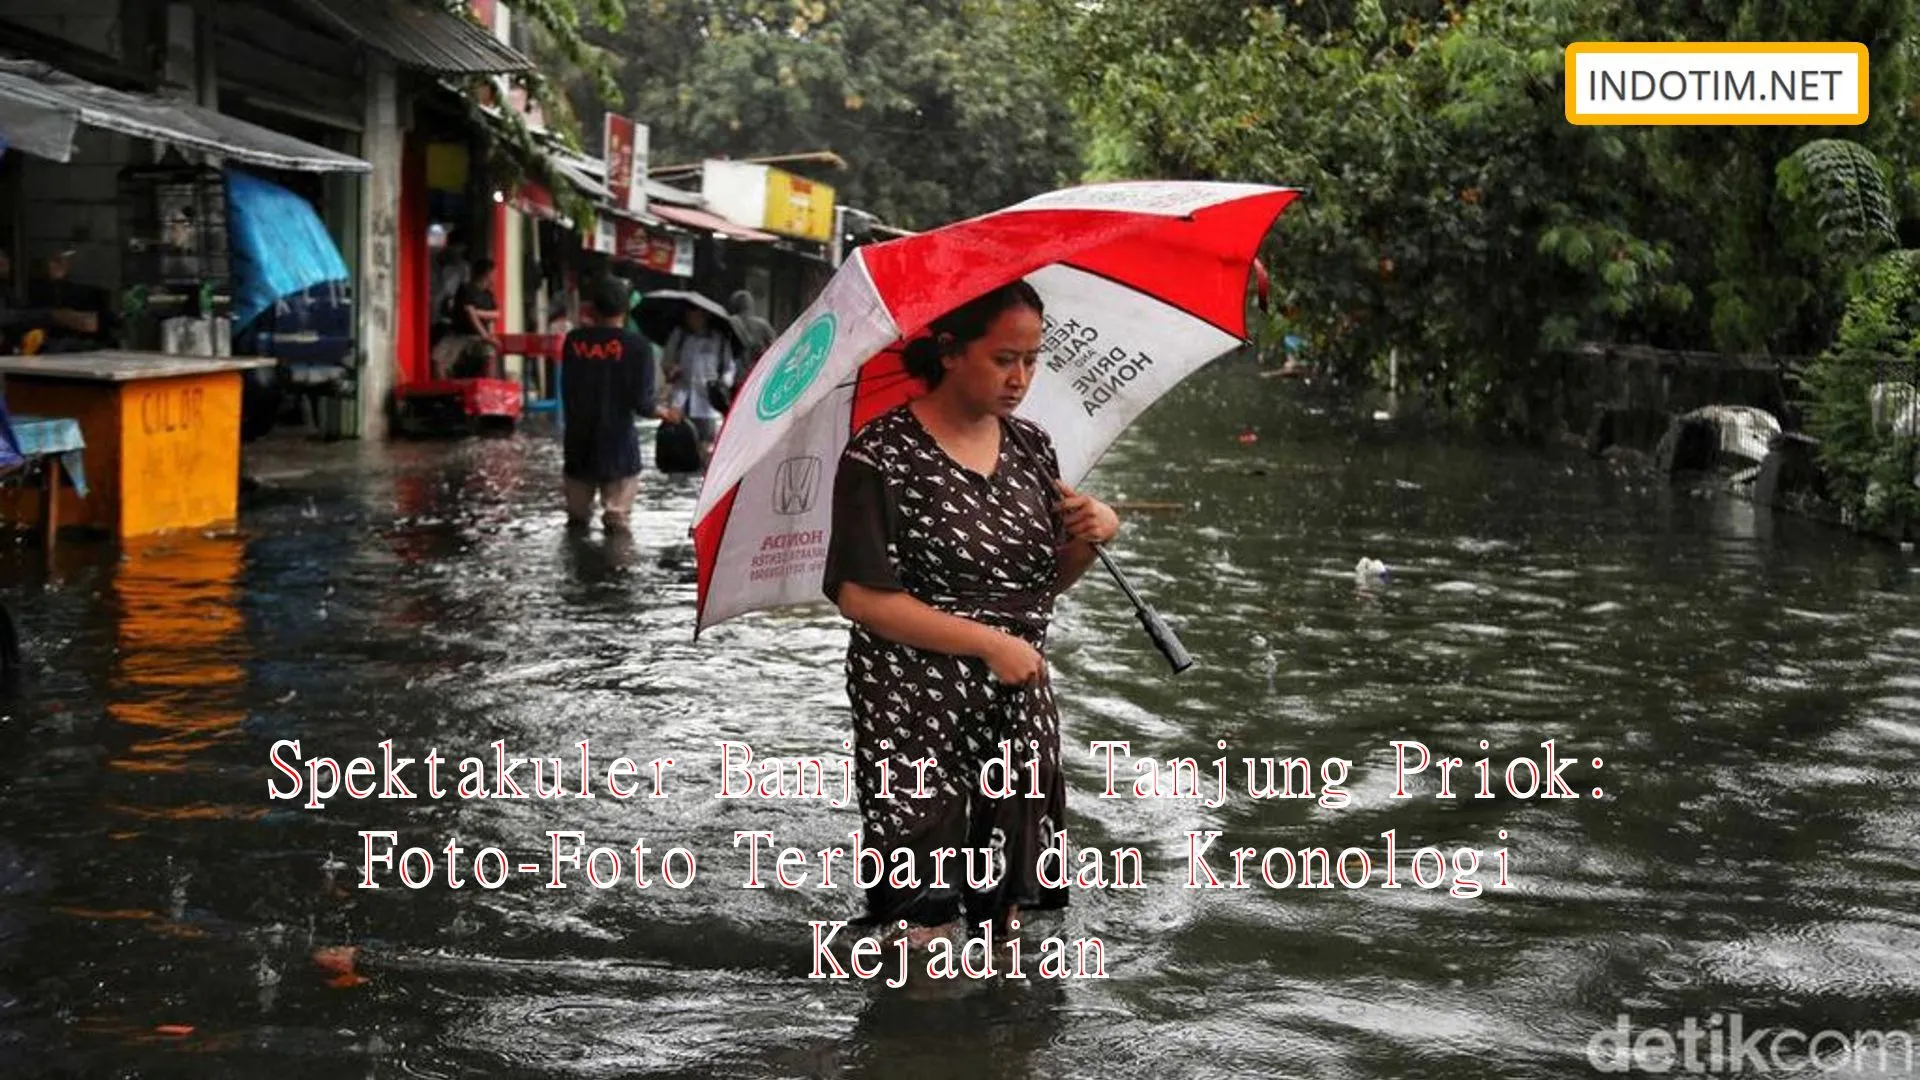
(798, 207)
(1725, 82)
(447, 166)
(179, 453)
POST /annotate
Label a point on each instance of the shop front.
(122, 208)
(796, 218)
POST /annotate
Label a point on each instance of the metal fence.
(1895, 396)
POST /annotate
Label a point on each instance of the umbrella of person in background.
(662, 311)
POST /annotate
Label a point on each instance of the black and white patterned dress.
(906, 515)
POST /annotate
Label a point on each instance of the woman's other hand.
(1085, 517)
(1013, 661)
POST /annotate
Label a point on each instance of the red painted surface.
(540, 346)
(502, 221)
(412, 320)
(478, 397)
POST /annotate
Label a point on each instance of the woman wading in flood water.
(952, 534)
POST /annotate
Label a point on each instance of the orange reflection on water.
(182, 649)
(192, 812)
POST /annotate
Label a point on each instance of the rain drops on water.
(1269, 660)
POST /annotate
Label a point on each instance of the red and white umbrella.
(1144, 282)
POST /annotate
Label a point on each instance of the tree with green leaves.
(561, 31)
(1457, 218)
(1862, 394)
(938, 108)
(561, 46)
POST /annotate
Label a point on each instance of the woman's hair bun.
(921, 358)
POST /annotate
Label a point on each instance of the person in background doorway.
(606, 383)
(449, 273)
(757, 332)
(560, 321)
(74, 316)
(468, 350)
(701, 357)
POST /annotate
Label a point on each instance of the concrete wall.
(381, 144)
(1647, 384)
(77, 205)
(271, 61)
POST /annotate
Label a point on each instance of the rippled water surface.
(1751, 686)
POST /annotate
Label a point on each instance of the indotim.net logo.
(797, 369)
(1795, 83)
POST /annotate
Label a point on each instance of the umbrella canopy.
(1143, 282)
(659, 313)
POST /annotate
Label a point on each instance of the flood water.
(1750, 684)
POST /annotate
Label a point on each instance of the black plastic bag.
(676, 447)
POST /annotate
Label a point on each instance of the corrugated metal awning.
(621, 213)
(662, 192)
(46, 100)
(421, 37)
(700, 219)
(579, 172)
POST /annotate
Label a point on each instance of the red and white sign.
(657, 251)
(625, 142)
(534, 200)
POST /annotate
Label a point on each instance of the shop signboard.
(661, 252)
(798, 207)
(762, 197)
(625, 141)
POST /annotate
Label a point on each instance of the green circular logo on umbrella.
(796, 370)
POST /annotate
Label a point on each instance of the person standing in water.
(701, 359)
(952, 535)
(606, 385)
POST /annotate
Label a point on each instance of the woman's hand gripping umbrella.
(1093, 523)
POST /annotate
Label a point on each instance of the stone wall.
(1623, 395)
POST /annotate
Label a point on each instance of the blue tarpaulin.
(10, 453)
(280, 246)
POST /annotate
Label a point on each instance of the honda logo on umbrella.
(795, 483)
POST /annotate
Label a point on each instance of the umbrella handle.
(1157, 629)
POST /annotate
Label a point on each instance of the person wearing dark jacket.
(756, 331)
(606, 385)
